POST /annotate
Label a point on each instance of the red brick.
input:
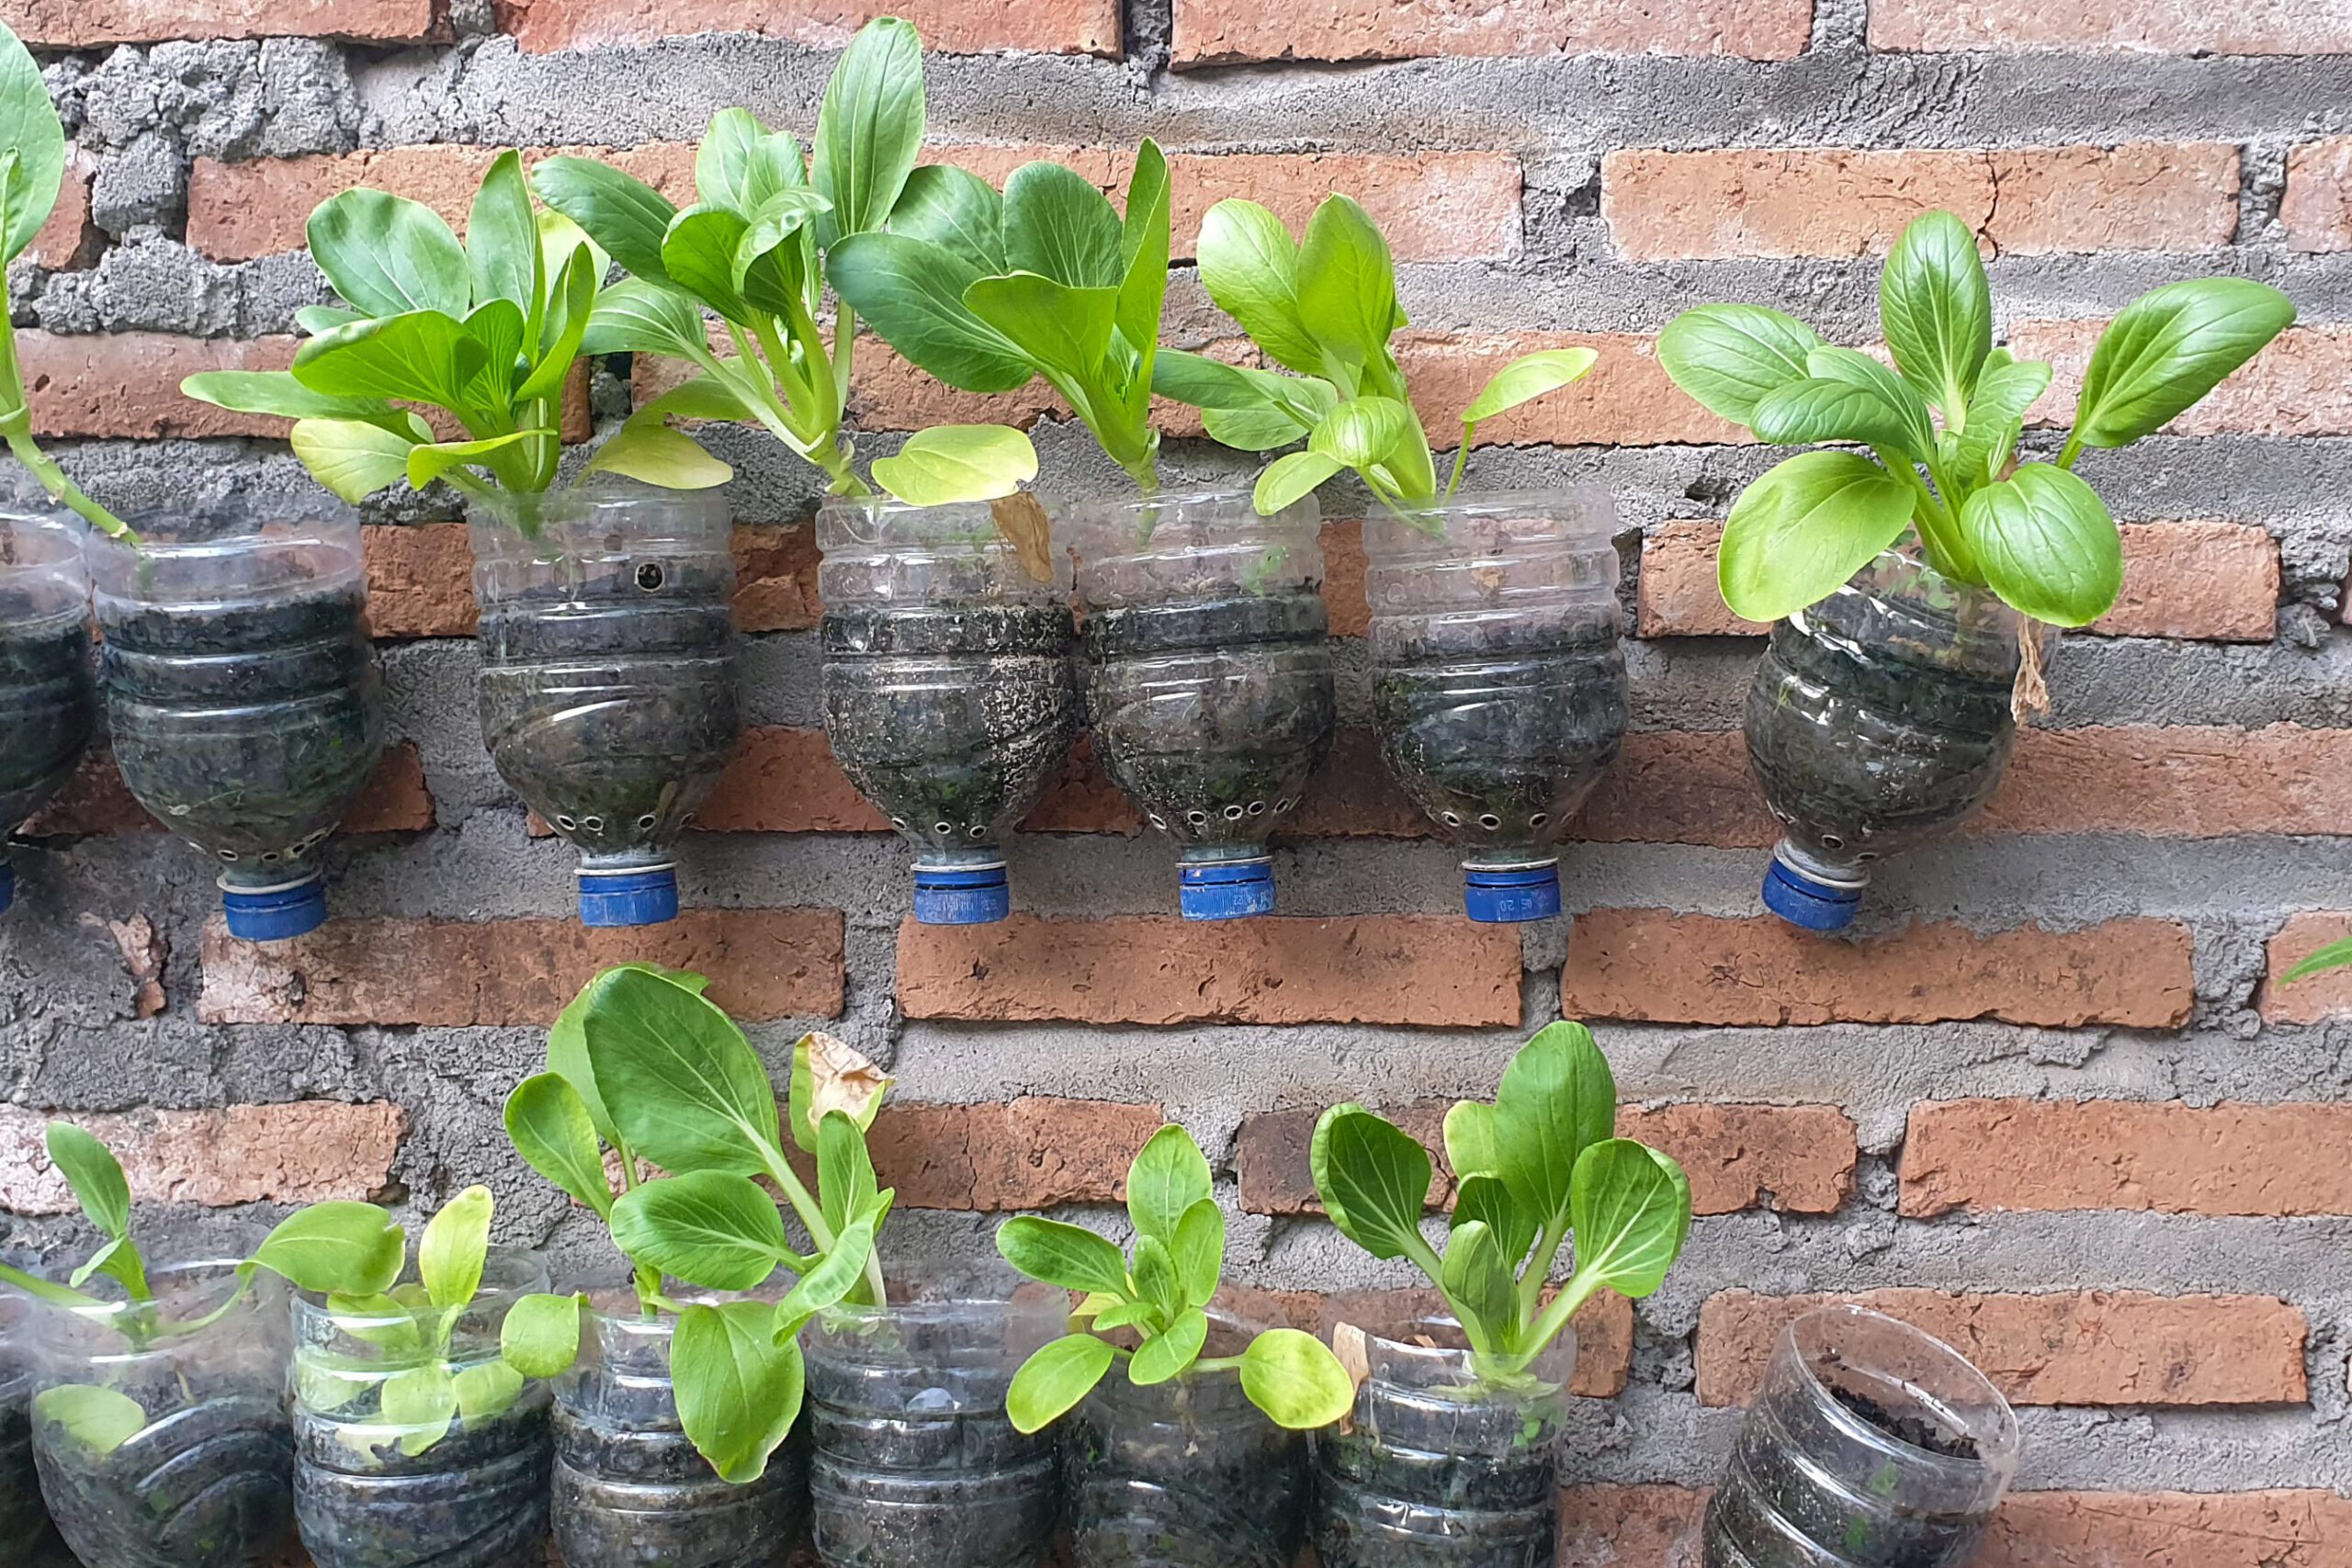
(79, 24)
(2210, 580)
(97, 801)
(1603, 1325)
(1846, 201)
(2185, 781)
(786, 781)
(1216, 31)
(1626, 400)
(1158, 969)
(127, 384)
(2283, 1159)
(1678, 787)
(1797, 1158)
(2155, 27)
(950, 26)
(763, 963)
(68, 239)
(1030, 1153)
(2066, 1348)
(299, 1153)
(1084, 800)
(2316, 997)
(2301, 385)
(1758, 971)
(2317, 206)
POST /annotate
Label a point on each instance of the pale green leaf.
(951, 463)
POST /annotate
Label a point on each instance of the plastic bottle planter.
(372, 1491)
(1871, 1446)
(242, 697)
(23, 1520)
(917, 1464)
(608, 690)
(1439, 1469)
(631, 1490)
(1210, 683)
(47, 701)
(949, 692)
(1187, 1473)
(1879, 719)
(1498, 689)
(170, 1451)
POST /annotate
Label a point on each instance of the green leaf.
(911, 292)
(1936, 308)
(390, 257)
(1486, 1200)
(1258, 429)
(622, 214)
(2046, 545)
(119, 1260)
(1528, 377)
(1859, 369)
(656, 455)
(1248, 263)
(316, 319)
(1374, 1178)
(1632, 1214)
(100, 1420)
(1198, 1251)
(450, 1254)
(540, 1337)
(1066, 331)
(565, 326)
(951, 463)
(336, 1246)
(739, 1391)
(548, 1122)
(94, 1174)
(1156, 1279)
(708, 1227)
(1558, 1098)
(1801, 413)
(430, 460)
(567, 1043)
(1472, 1147)
(870, 127)
(1996, 417)
(768, 281)
(834, 1277)
(1168, 1176)
(46, 1290)
(486, 1390)
(352, 457)
(1144, 245)
(503, 237)
(2334, 955)
(1052, 1382)
(845, 1170)
(422, 1401)
(30, 130)
(684, 1086)
(1347, 284)
(1726, 357)
(1479, 1284)
(1364, 431)
(424, 356)
(1058, 225)
(380, 1320)
(1290, 478)
(1167, 1354)
(698, 252)
(958, 211)
(2170, 347)
(1295, 1380)
(742, 166)
(277, 392)
(1798, 532)
(1057, 1254)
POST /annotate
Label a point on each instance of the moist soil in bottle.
(953, 719)
(1213, 715)
(1193, 1484)
(1769, 1477)
(47, 706)
(475, 1499)
(1501, 744)
(1418, 1482)
(263, 795)
(611, 706)
(209, 1485)
(640, 1496)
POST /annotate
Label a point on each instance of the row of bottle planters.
(1871, 1446)
(242, 689)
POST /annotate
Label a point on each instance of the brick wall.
(2049, 1103)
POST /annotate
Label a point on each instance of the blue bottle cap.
(1227, 889)
(1808, 901)
(962, 894)
(275, 914)
(1508, 894)
(8, 885)
(641, 896)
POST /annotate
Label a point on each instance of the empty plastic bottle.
(47, 701)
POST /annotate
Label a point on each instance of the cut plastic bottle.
(48, 700)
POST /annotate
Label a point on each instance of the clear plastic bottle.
(1440, 1467)
(951, 698)
(22, 1517)
(48, 702)
(379, 1487)
(169, 1449)
(1871, 1446)
(1879, 720)
(608, 681)
(242, 697)
(1209, 688)
(1498, 689)
(630, 1490)
(917, 1464)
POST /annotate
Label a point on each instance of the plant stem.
(2071, 450)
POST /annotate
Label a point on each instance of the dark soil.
(633, 1494)
(1213, 716)
(1184, 1475)
(613, 715)
(206, 1487)
(48, 705)
(249, 734)
(22, 1517)
(1418, 1482)
(1916, 1430)
(953, 720)
(476, 1499)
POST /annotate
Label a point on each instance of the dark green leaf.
(1051, 1383)
(390, 257)
(2170, 347)
(1167, 1177)
(708, 1228)
(911, 292)
(94, 1174)
(502, 238)
(845, 1170)
(1248, 263)
(1487, 1201)
(1726, 357)
(739, 1391)
(29, 129)
(1801, 413)
(1374, 1178)
(1058, 225)
(424, 356)
(564, 327)
(1479, 1284)
(1067, 332)
(1806, 527)
(870, 129)
(117, 1260)
(1936, 308)
(1859, 369)
(1143, 248)
(687, 1088)
(1996, 418)
(741, 165)
(1057, 1254)
(768, 264)
(956, 211)
(622, 214)
(2046, 545)
(1558, 1098)
(698, 252)
(567, 1044)
(1632, 1214)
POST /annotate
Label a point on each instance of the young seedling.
(409, 1326)
(1943, 427)
(643, 1066)
(987, 292)
(749, 251)
(1535, 1169)
(1162, 1297)
(1326, 309)
(486, 331)
(32, 171)
(328, 1247)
